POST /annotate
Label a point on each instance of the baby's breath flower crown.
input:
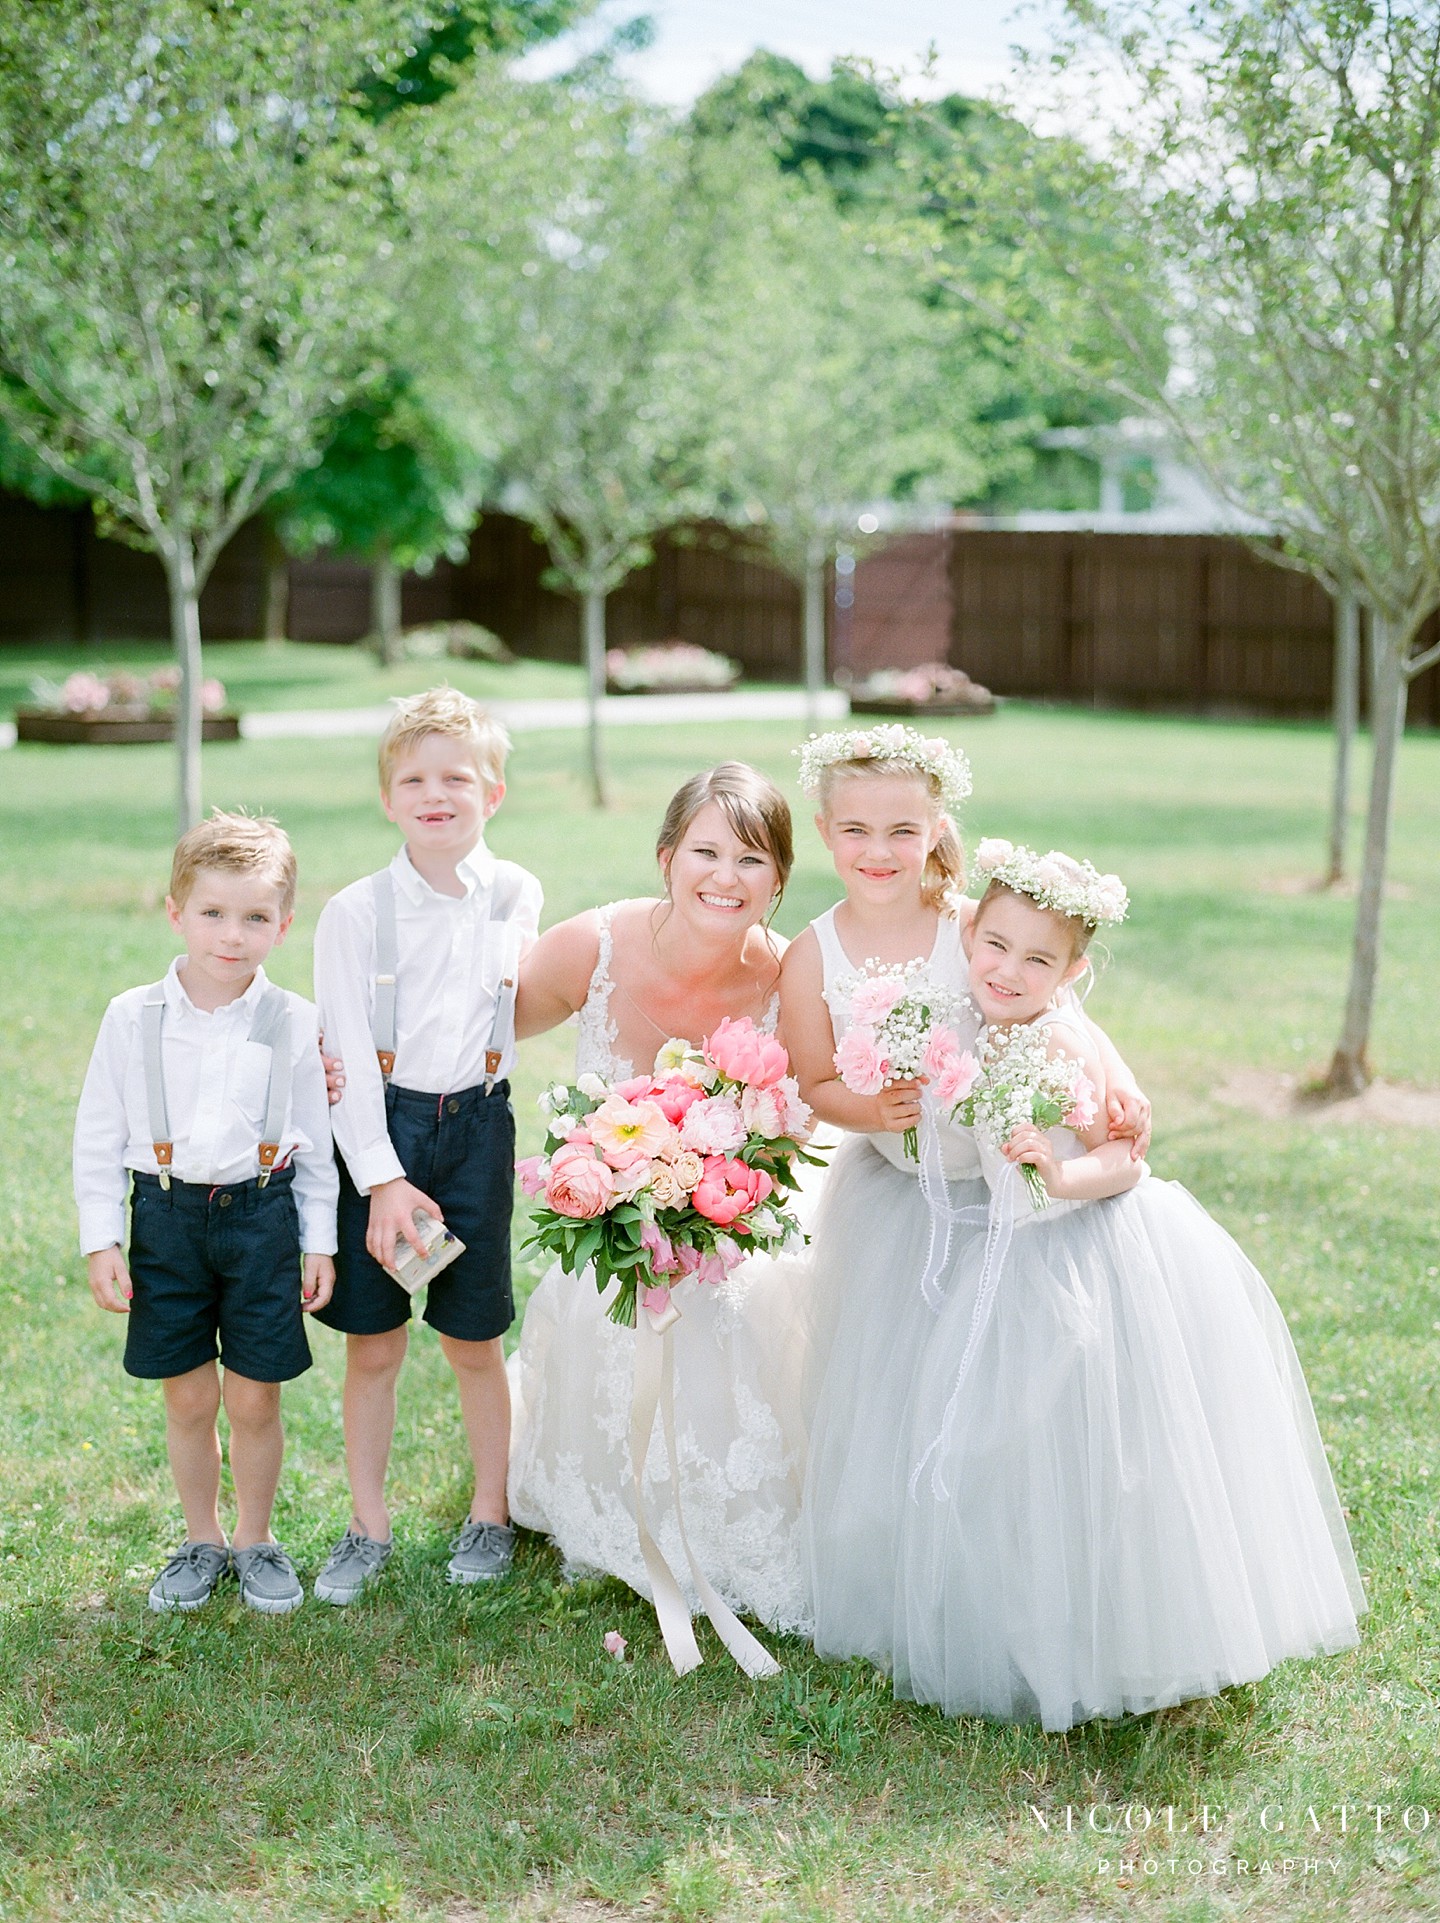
(1055, 881)
(888, 741)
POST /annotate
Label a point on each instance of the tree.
(569, 357)
(1280, 162)
(191, 206)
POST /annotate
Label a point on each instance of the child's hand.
(1129, 1113)
(334, 1073)
(110, 1280)
(1030, 1144)
(899, 1107)
(392, 1214)
(317, 1282)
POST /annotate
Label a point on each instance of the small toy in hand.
(413, 1271)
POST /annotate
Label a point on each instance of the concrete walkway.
(531, 717)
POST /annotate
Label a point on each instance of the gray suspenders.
(270, 1027)
(382, 1021)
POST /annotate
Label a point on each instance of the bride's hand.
(899, 1107)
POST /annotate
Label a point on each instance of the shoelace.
(472, 1533)
(269, 1552)
(353, 1549)
(190, 1556)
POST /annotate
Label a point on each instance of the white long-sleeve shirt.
(450, 957)
(216, 1082)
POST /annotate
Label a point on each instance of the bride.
(637, 973)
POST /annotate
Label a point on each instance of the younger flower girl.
(1118, 1498)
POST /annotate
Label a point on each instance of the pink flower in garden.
(776, 1111)
(728, 1190)
(212, 696)
(956, 1080)
(742, 1053)
(579, 1184)
(875, 997)
(628, 1131)
(615, 1645)
(713, 1126)
(165, 680)
(531, 1172)
(674, 1095)
(85, 694)
(860, 1062)
(1083, 1108)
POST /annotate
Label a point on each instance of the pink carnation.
(942, 1051)
(860, 1062)
(743, 1054)
(713, 1126)
(728, 1190)
(874, 998)
(579, 1183)
(956, 1080)
(1083, 1108)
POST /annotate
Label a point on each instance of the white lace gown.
(1133, 1505)
(740, 1426)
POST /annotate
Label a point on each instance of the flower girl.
(1118, 1498)
(887, 797)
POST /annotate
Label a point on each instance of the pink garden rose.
(741, 1052)
(860, 1062)
(674, 1095)
(579, 1184)
(713, 1126)
(531, 1172)
(776, 1111)
(874, 998)
(728, 1189)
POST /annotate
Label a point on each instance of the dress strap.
(833, 957)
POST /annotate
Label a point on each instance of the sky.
(697, 40)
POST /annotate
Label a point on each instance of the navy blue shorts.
(216, 1272)
(460, 1150)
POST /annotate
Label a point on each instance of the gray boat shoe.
(350, 1565)
(268, 1581)
(483, 1551)
(190, 1577)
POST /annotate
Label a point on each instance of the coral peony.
(579, 1184)
(727, 1189)
(740, 1051)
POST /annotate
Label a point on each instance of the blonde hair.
(235, 844)
(445, 711)
(1080, 931)
(943, 881)
(749, 801)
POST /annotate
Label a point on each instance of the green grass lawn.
(433, 1753)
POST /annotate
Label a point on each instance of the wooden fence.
(1194, 623)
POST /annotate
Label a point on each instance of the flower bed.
(934, 688)
(94, 709)
(670, 667)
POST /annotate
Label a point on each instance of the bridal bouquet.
(1017, 1080)
(899, 1030)
(679, 1173)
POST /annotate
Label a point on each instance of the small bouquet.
(1018, 1080)
(899, 1030)
(679, 1173)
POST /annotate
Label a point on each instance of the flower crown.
(1055, 881)
(888, 741)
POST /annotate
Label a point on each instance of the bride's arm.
(555, 975)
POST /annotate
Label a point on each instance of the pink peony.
(579, 1184)
(875, 997)
(1083, 1108)
(956, 1080)
(860, 1062)
(743, 1054)
(728, 1190)
(531, 1172)
(674, 1095)
(628, 1131)
(713, 1126)
(776, 1111)
(638, 1088)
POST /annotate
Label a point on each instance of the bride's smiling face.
(715, 879)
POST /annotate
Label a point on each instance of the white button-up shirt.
(450, 957)
(216, 1084)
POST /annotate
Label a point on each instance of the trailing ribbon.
(935, 1188)
(655, 1389)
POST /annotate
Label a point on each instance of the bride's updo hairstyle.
(749, 801)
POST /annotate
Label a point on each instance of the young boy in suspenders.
(205, 1096)
(415, 973)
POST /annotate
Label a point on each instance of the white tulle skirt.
(740, 1431)
(1133, 1507)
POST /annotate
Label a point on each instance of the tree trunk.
(275, 613)
(185, 634)
(385, 607)
(1346, 710)
(594, 638)
(814, 629)
(1350, 1069)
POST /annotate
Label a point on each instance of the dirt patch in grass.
(1280, 1097)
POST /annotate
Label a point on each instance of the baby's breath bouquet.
(898, 1029)
(1020, 1081)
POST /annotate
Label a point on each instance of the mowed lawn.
(433, 1753)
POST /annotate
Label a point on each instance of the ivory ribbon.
(935, 1189)
(655, 1389)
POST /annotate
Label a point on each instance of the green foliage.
(450, 39)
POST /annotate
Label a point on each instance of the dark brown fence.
(1196, 623)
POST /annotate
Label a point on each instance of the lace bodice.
(595, 1045)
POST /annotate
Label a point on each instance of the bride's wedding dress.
(739, 1418)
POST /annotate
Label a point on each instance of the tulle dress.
(1126, 1503)
(740, 1421)
(869, 1328)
